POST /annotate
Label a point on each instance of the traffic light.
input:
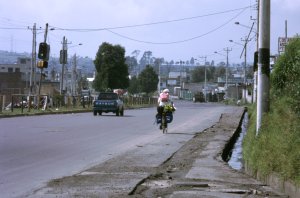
(42, 64)
(63, 58)
(44, 50)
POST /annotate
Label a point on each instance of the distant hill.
(11, 57)
(84, 63)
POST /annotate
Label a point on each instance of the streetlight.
(246, 26)
(245, 64)
(73, 72)
(63, 59)
(245, 48)
(226, 83)
(75, 45)
(226, 68)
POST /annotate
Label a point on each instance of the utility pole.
(63, 59)
(286, 30)
(204, 76)
(73, 76)
(159, 80)
(245, 63)
(246, 40)
(255, 68)
(226, 82)
(33, 61)
(263, 62)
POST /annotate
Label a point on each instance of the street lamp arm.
(252, 29)
(232, 41)
(219, 53)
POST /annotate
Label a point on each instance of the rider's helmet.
(166, 91)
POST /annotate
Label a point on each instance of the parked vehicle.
(85, 97)
(199, 97)
(108, 102)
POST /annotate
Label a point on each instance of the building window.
(23, 60)
(10, 70)
(17, 70)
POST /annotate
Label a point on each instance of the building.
(15, 78)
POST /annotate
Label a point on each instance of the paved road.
(35, 149)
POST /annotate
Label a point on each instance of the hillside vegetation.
(277, 146)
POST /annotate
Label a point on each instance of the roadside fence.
(24, 103)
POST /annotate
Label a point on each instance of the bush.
(276, 148)
(285, 79)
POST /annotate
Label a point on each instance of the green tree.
(212, 73)
(198, 74)
(148, 80)
(220, 71)
(134, 86)
(132, 63)
(112, 71)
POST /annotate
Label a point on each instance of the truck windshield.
(108, 96)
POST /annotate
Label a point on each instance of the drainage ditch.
(232, 153)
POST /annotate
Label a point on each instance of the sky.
(171, 29)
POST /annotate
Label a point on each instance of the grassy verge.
(277, 146)
(18, 111)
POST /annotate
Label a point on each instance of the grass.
(277, 146)
(63, 109)
(18, 111)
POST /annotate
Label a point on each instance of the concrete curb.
(275, 181)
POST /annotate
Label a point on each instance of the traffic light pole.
(45, 39)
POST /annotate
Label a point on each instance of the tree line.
(112, 71)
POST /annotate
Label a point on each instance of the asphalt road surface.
(36, 149)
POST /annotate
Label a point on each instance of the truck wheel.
(117, 112)
(122, 112)
(100, 112)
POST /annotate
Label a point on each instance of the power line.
(149, 24)
(179, 41)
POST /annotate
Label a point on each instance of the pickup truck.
(108, 102)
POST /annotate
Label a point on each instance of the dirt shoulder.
(194, 170)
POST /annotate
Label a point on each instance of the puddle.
(236, 159)
(158, 183)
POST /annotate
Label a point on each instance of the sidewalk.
(194, 170)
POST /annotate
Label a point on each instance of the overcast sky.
(172, 29)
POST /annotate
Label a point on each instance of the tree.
(148, 80)
(112, 71)
(146, 59)
(220, 71)
(157, 64)
(132, 63)
(192, 61)
(134, 86)
(198, 74)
